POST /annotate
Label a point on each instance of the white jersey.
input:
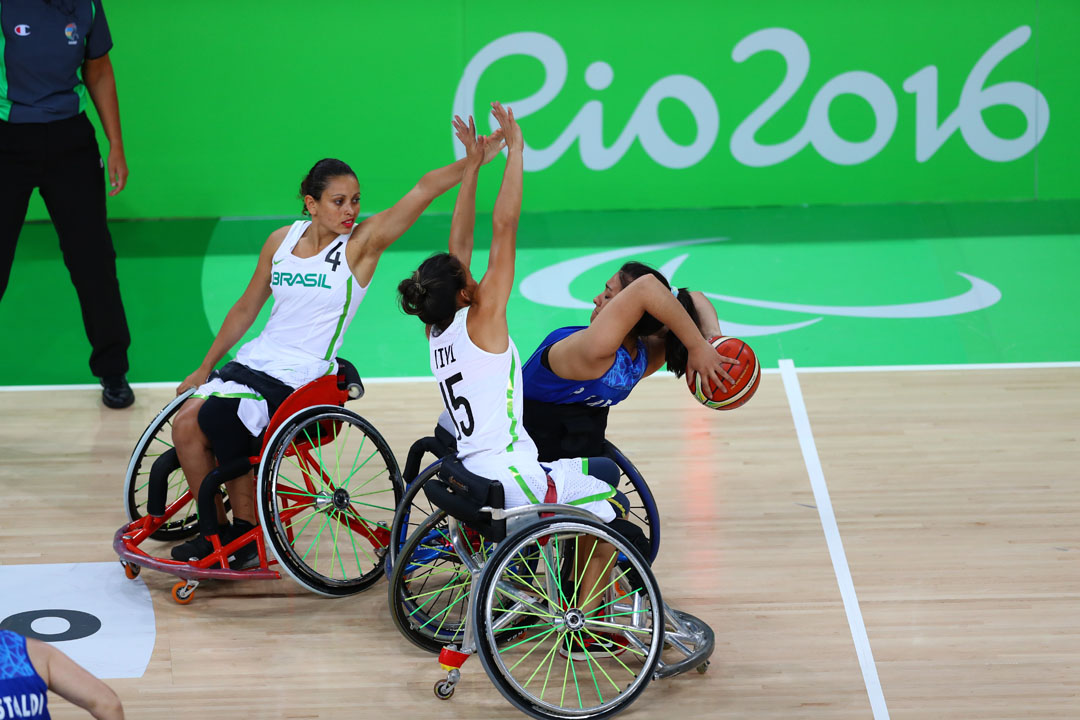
(483, 394)
(315, 299)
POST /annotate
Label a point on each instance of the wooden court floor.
(956, 495)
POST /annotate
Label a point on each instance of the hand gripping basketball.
(746, 372)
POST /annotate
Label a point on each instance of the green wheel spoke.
(356, 516)
(449, 586)
(546, 659)
(577, 687)
(600, 667)
(296, 536)
(337, 554)
(539, 642)
(606, 571)
(356, 554)
(464, 595)
(354, 468)
(344, 514)
(362, 465)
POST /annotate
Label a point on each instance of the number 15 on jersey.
(454, 404)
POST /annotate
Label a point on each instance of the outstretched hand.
(511, 131)
(493, 145)
(480, 150)
(466, 133)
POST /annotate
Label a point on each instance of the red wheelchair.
(326, 484)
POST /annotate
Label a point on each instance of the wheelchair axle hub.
(574, 619)
(341, 499)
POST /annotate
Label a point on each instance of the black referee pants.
(61, 159)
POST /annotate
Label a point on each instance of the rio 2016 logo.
(644, 123)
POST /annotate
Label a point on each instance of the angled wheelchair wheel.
(429, 587)
(156, 444)
(328, 486)
(411, 512)
(568, 661)
(643, 510)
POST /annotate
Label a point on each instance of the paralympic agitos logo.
(644, 124)
(551, 286)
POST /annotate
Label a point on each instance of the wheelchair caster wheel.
(183, 592)
(131, 571)
(444, 690)
(703, 667)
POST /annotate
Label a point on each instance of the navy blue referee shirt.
(43, 45)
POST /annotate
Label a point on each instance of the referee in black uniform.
(54, 59)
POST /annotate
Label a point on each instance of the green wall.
(226, 105)
(824, 285)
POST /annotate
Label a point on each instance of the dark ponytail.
(431, 291)
(676, 352)
(320, 175)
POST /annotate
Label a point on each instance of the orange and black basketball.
(746, 373)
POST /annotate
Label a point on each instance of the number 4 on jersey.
(333, 256)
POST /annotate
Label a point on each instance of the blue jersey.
(612, 387)
(22, 691)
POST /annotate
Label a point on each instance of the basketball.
(745, 372)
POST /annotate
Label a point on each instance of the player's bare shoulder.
(276, 238)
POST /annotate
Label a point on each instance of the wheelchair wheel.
(565, 661)
(411, 513)
(643, 510)
(328, 485)
(156, 441)
(429, 587)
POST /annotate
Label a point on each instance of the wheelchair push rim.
(328, 486)
(429, 587)
(567, 662)
(411, 512)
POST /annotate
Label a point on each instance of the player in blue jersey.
(638, 324)
(29, 667)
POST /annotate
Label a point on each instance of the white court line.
(832, 539)
(661, 373)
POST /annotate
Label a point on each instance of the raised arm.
(489, 330)
(242, 314)
(464, 219)
(371, 237)
(708, 321)
(588, 354)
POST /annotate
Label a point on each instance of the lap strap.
(273, 390)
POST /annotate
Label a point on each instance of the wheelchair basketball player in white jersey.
(477, 365)
(318, 272)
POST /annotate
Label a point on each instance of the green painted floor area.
(825, 286)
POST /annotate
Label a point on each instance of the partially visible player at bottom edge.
(28, 668)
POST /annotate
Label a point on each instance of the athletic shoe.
(601, 646)
(195, 549)
(116, 393)
(199, 547)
